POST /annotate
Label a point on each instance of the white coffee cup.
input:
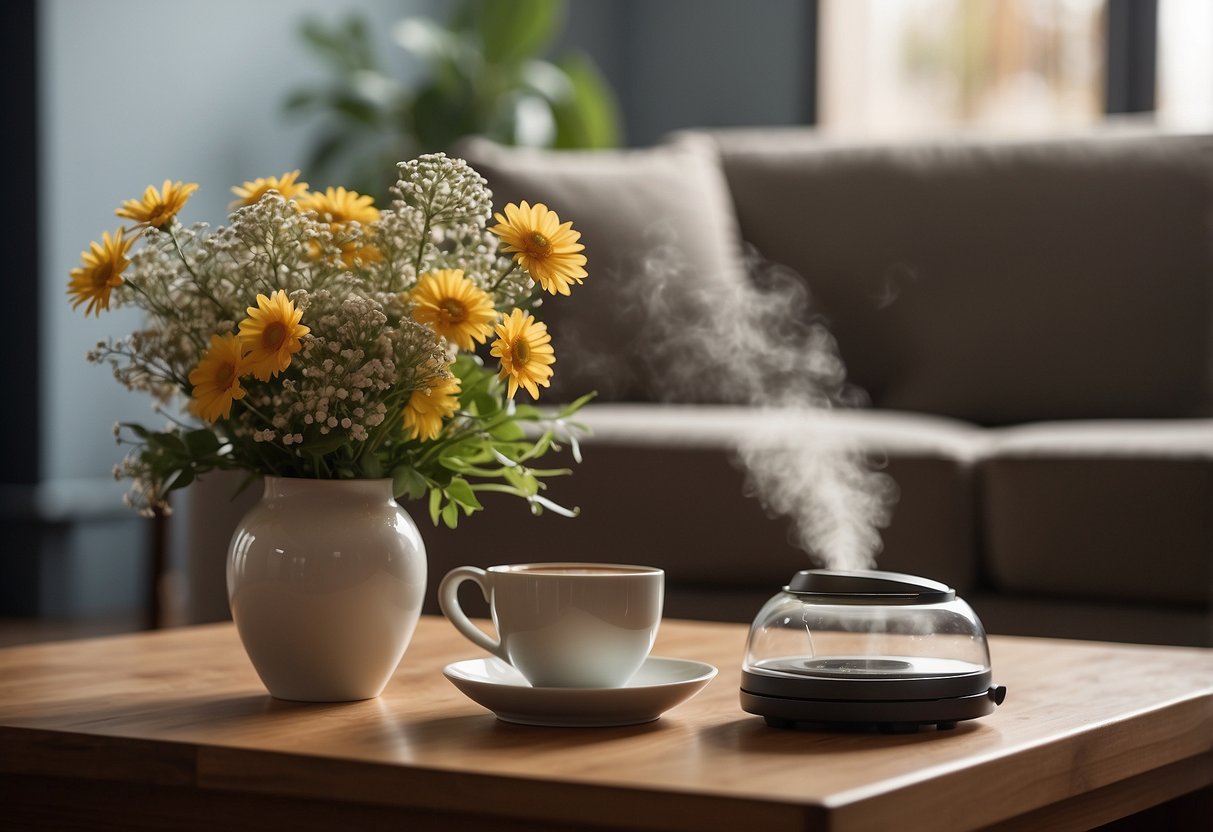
(568, 625)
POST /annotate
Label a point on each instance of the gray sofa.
(1027, 327)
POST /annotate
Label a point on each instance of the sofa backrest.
(998, 281)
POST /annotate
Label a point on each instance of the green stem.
(197, 282)
(425, 235)
(513, 267)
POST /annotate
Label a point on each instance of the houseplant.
(331, 347)
(481, 70)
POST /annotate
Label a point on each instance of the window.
(908, 66)
(1185, 63)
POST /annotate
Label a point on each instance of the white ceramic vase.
(325, 579)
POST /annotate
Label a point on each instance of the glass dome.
(867, 637)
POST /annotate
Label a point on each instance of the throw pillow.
(647, 217)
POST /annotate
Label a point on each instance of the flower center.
(520, 350)
(101, 275)
(225, 375)
(452, 311)
(274, 335)
(539, 244)
(161, 215)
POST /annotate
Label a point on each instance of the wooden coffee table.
(172, 730)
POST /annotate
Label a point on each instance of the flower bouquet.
(317, 336)
(349, 355)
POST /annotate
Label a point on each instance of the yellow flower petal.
(157, 208)
(216, 379)
(524, 348)
(101, 270)
(541, 245)
(270, 334)
(454, 307)
(429, 406)
(250, 193)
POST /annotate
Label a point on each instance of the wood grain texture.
(183, 709)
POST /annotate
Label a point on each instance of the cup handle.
(448, 600)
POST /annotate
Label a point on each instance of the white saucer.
(659, 685)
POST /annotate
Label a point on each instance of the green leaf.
(321, 444)
(575, 405)
(356, 108)
(408, 482)
(589, 115)
(523, 481)
(435, 504)
(461, 492)
(539, 448)
(180, 479)
(370, 466)
(168, 442)
(485, 404)
(138, 430)
(346, 48)
(450, 515)
(513, 30)
(442, 112)
(527, 413)
(201, 443)
(508, 432)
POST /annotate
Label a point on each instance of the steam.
(758, 342)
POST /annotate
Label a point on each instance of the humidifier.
(867, 649)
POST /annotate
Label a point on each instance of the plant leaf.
(408, 482)
(450, 515)
(590, 115)
(513, 30)
(461, 492)
(435, 504)
(201, 443)
(575, 405)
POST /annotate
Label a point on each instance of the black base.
(888, 717)
(857, 727)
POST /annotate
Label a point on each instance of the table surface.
(1098, 729)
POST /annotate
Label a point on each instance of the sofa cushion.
(1101, 510)
(660, 485)
(998, 281)
(639, 212)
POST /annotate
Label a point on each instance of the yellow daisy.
(454, 307)
(216, 379)
(366, 253)
(270, 334)
(337, 206)
(547, 250)
(429, 406)
(250, 193)
(103, 265)
(525, 349)
(157, 208)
